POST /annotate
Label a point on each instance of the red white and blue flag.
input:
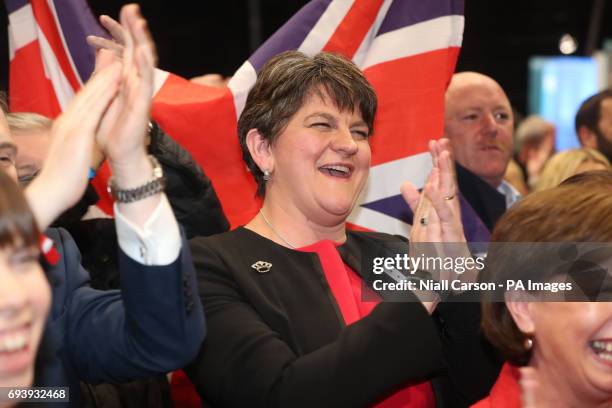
(49, 58)
(407, 48)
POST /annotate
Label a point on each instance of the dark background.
(198, 37)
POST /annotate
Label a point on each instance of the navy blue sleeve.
(153, 325)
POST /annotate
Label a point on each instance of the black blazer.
(278, 338)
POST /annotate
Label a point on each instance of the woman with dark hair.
(565, 346)
(291, 319)
(24, 291)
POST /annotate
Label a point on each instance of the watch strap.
(150, 188)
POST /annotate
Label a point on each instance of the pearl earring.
(266, 175)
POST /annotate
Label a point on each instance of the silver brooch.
(262, 267)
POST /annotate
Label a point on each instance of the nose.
(13, 295)
(489, 125)
(344, 143)
(11, 170)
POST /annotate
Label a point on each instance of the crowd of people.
(281, 311)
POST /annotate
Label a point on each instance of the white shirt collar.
(511, 194)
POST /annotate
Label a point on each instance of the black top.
(278, 338)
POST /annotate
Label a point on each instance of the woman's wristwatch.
(152, 187)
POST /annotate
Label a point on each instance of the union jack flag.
(407, 48)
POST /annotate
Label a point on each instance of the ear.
(521, 311)
(587, 137)
(260, 150)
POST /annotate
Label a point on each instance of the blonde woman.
(568, 163)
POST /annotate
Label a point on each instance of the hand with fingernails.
(437, 215)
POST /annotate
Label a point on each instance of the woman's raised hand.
(117, 32)
(122, 137)
(437, 215)
(111, 109)
(63, 178)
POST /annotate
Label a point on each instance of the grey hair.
(28, 121)
(532, 129)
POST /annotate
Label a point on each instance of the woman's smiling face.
(24, 303)
(574, 341)
(321, 160)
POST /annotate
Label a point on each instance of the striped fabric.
(49, 57)
(407, 49)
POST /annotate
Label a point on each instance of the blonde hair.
(28, 121)
(565, 164)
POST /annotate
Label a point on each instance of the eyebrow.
(334, 119)
(22, 249)
(322, 114)
(480, 109)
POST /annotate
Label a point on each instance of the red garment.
(506, 393)
(347, 288)
(183, 392)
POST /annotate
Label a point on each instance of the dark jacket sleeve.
(245, 362)
(154, 325)
(472, 362)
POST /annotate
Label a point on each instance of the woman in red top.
(562, 336)
(291, 319)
